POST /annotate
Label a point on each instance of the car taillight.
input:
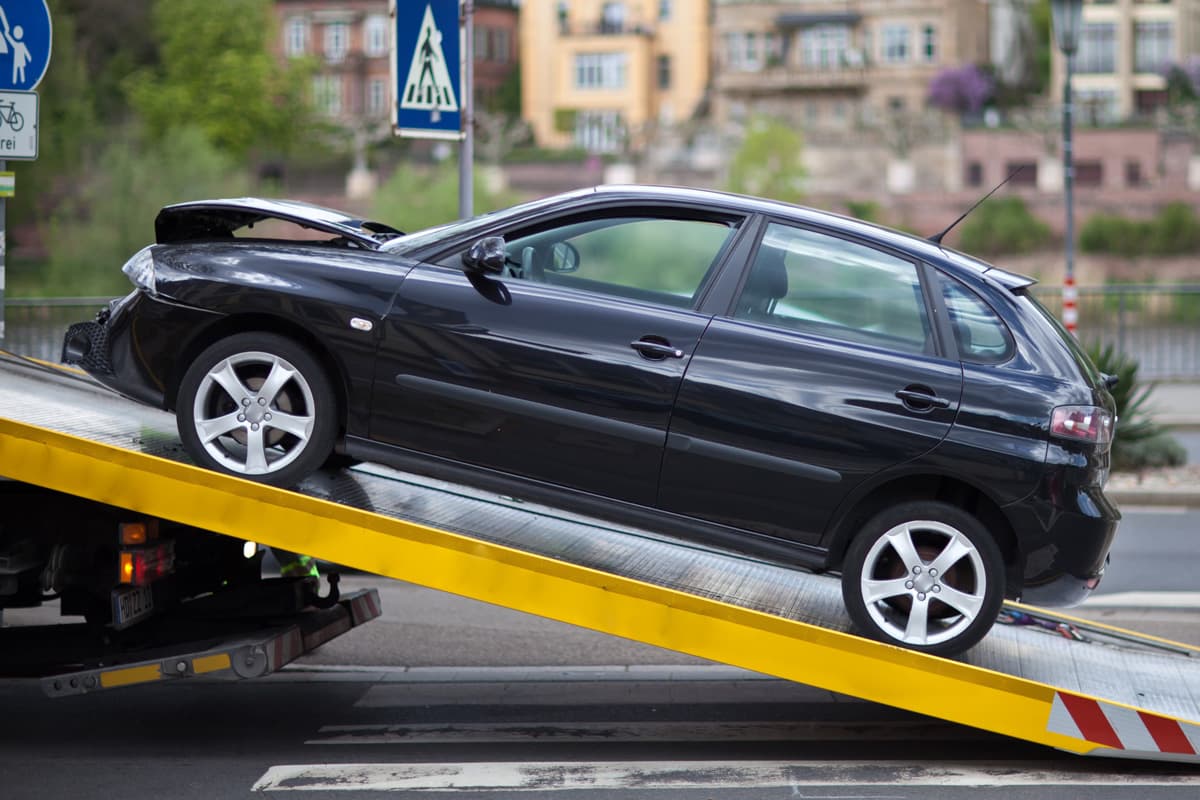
(1089, 424)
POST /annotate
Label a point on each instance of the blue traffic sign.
(25, 39)
(427, 69)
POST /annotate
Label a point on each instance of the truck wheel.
(925, 575)
(259, 406)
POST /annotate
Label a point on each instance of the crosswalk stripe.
(650, 775)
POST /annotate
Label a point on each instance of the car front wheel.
(259, 406)
(925, 575)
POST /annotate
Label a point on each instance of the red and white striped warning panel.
(1137, 734)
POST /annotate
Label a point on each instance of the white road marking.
(651, 775)
(499, 733)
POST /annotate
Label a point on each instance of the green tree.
(111, 215)
(413, 199)
(768, 163)
(66, 128)
(217, 73)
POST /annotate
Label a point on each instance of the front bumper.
(134, 346)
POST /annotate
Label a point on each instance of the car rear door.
(826, 372)
(564, 369)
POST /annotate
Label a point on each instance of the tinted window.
(980, 334)
(832, 287)
(653, 259)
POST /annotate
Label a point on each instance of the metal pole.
(1070, 312)
(3, 252)
(466, 153)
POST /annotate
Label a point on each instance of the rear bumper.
(1068, 535)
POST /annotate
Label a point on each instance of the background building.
(601, 75)
(1124, 48)
(829, 64)
(351, 42)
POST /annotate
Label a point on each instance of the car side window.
(833, 287)
(654, 259)
(980, 334)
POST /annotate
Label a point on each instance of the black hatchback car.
(788, 383)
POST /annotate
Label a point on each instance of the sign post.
(431, 63)
(25, 40)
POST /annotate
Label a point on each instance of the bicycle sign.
(10, 115)
(18, 126)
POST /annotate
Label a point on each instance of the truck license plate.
(130, 605)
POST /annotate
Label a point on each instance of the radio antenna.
(937, 237)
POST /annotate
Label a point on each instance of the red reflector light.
(145, 565)
(1089, 424)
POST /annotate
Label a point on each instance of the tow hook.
(330, 600)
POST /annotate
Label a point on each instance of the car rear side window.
(833, 287)
(981, 336)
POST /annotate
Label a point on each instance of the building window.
(929, 43)
(376, 30)
(481, 44)
(1089, 173)
(895, 44)
(812, 113)
(824, 46)
(327, 94)
(974, 175)
(1024, 173)
(1153, 45)
(664, 72)
(296, 40)
(1097, 48)
(599, 131)
(1133, 173)
(742, 51)
(376, 96)
(501, 45)
(601, 70)
(337, 42)
(612, 18)
(664, 9)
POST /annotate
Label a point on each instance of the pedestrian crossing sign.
(427, 69)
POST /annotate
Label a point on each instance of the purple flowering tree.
(963, 89)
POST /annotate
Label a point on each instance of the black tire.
(894, 597)
(284, 433)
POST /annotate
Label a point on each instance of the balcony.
(790, 77)
(602, 27)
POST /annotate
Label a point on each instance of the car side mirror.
(563, 258)
(487, 255)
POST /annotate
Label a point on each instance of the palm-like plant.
(1139, 441)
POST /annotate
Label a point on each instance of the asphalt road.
(450, 696)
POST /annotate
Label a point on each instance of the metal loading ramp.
(1116, 693)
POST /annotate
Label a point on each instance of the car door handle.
(922, 399)
(652, 349)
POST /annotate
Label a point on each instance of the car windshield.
(423, 238)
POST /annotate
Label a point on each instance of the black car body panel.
(685, 409)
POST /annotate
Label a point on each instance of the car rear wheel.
(259, 406)
(925, 575)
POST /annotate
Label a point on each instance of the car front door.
(564, 368)
(826, 372)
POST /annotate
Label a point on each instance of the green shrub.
(1109, 233)
(1140, 442)
(1003, 226)
(1153, 452)
(867, 210)
(1175, 230)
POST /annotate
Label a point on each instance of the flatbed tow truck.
(1098, 691)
